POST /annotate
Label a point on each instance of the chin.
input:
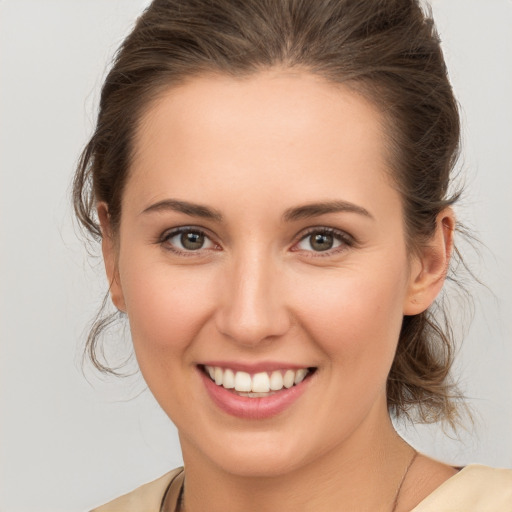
(261, 465)
(260, 455)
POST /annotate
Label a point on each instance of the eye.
(187, 239)
(323, 240)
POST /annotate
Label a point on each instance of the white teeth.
(300, 375)
(243, 381)
(289, 378)
(276, 381)
(218, 376)
(229, 379)
(258, 385)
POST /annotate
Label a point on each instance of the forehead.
(276, 130)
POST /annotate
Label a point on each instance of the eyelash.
(346, 240)
(341, 236)
(168, 235)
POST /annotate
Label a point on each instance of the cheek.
(166, 306)
(356, 317)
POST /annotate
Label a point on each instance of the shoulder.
(146, 498)
(475, 488)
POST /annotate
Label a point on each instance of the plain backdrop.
(69, 443)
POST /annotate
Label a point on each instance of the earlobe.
(430, 266)
(109, 250)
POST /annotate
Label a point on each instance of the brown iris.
(192, 240)
(321, 241)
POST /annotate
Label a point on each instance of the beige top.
(475, 488)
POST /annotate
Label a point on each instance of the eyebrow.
(316, 209)
(192, 209)
(292, 214)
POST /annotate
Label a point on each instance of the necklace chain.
(179, 508)
(402, 480)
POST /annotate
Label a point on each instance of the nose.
(252, 309)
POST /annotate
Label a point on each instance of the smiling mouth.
(257, 385)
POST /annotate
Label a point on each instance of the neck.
(361, 473)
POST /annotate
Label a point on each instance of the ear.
(109, 250)
(430, 266)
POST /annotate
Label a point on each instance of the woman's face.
(261, 240)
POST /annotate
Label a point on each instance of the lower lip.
(253, 408)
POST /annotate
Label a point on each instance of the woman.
(271, 186)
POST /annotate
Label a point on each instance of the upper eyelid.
(167, 233)
(347, 239)
(324, 229)
(344, 235)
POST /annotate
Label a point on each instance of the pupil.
(321, 242)
(192, 241)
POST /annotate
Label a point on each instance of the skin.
(251, 150)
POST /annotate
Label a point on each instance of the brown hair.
(388, 50)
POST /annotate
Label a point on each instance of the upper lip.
(255, 367)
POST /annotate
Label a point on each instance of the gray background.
(69, 443)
